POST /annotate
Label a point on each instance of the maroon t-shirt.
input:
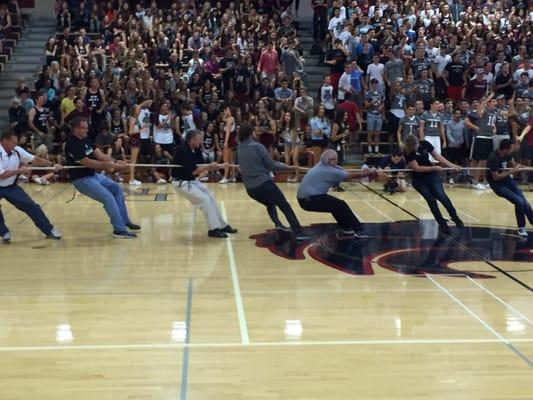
(475, 90)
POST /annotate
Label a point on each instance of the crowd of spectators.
(145, 72)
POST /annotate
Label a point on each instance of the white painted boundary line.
(514, 310)
(426, 207)
(468, 310)
(245, 338)
(169, 346)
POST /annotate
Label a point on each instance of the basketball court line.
(481, 321)
(426, 207)
(514, 310)
(185, 361)
(324, 343)
(370, 205)
(245, 338)
(453, 240)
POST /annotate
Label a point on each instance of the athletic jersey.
(410, 126)
(446, 117)
(94, 102)
(487, 122)
(523, 117)
(424, 88)
(40, 119)
(164, 134)
(143, 120)
(502, 122)
(326, 97)
(188, 122)
(397, 103)
(375, 100)
(117, 128)
(432, 123)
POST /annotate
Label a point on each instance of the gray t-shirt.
(319, 179)
(394, 70)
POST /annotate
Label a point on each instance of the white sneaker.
(161, 181)
(6, 238)
(54, 234)
(38, 180)
(233, 180)
(479, 186)
(135, 182)
(522, 232)
(290, 179)
(204, 179)
(451, 181)
(223, 181)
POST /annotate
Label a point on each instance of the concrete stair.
(26, 62)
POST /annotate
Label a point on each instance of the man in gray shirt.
(313, 193)
(256, 166)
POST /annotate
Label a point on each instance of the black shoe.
(217, 233)
(124, 235)
(444, 228)
(459, 223)
(283, 228)
(228, 229)
(133, 227)
(347, 233)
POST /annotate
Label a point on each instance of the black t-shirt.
(338, 55)
(75, 151)
(455, 73)
(187, 158)
(495, 163)
(421, 156)
(386, 162)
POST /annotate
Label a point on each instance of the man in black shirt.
(188, 155)
(336, 59)
(499, 178)
(79, 151)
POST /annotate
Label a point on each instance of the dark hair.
(245, 132)
(396, 152)
(6, 135)
(76, 122)
(505, 144)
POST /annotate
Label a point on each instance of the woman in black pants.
(427, 181)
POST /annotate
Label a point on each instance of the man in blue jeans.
(11, 158)
(79, 151)
(499, 178)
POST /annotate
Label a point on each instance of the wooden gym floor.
(173, 315)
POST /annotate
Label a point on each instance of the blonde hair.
(41, 151)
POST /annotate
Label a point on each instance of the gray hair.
(191, 134)
(327, 156)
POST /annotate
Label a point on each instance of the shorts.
(168, 147)
(135, 140)
(435, 142)
(146, 147)
(455, 93)
(374, 122)
(481, 148)
(323, 143)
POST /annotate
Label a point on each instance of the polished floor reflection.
(403, 314)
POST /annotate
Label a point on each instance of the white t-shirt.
(376, 71)
(336, 25)
(326, 97)
(345, 83)
(441, 62)
(143, 119)
(12, 162)
(163, 135)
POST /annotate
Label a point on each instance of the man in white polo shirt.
(11, 158)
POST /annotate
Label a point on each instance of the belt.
(181, 182)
